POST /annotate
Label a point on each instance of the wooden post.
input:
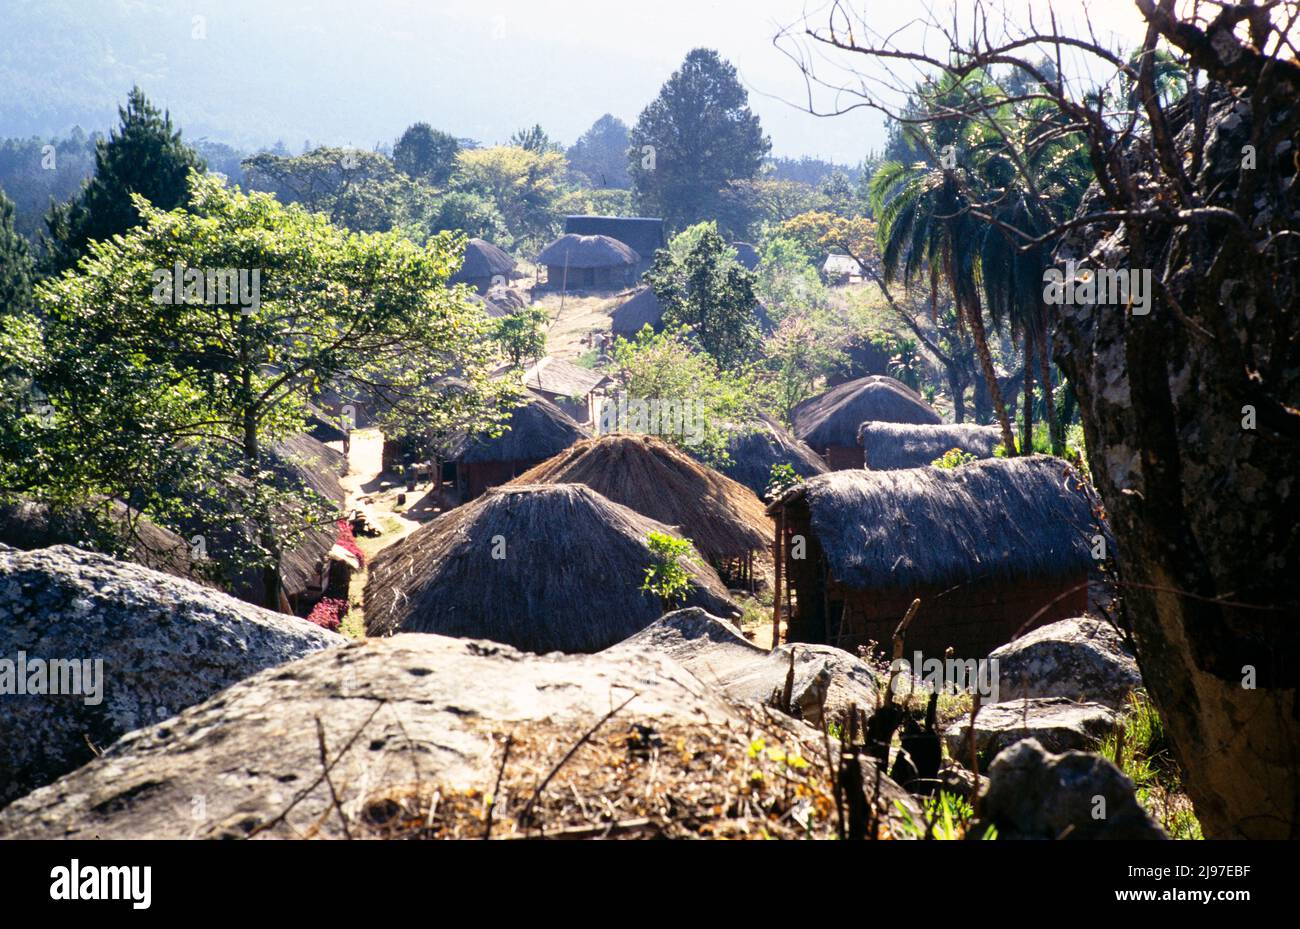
(780, 563)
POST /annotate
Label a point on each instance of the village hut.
(577, 391)
(644, 235)
(896, 446)
(110, 527)
(588, 262)
(543, 568)
(485, 266)
(631, 316)
(986, 547)
(537, 430)
(841, 270)
(754, 448)
(727, 523)
(747, 255)
(829, 423)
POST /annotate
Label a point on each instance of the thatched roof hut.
(542, 568)
(574, 262)
(575, 390)
(116, 530)
(631, 316)
(755, 447)
(537, 430)
(724, 519)
(896, 446)
(484, 265)
(829, 423)
(841, 269)
(985, 547)
(644, 235)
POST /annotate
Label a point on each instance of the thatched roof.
(557, 376)
(28, 525)
(644, 235)
(894, 446)
(314, 463)
(635, 314)
(834, 417)
(537, 430)
(747, 255)
(570, 579)
(999, 519)
(483, 260)
(723, 518)
(841, 264)
(754, 447)
(588, 251)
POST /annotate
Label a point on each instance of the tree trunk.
(1203, 500)
(1054, 429)
(957, 387)
(1027, 427)
(975, 319)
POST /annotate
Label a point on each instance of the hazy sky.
(358, 71)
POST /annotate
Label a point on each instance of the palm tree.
(925, 229)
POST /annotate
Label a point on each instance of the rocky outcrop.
(1034, 794)
(92, 648)
(1079, 659)
(1058, 724)
(411, 733)
(712, 650)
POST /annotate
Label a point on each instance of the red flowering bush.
(348, 542)
(328, 613)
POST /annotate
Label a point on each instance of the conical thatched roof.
(755, 447)
(537, 430)
(895, 446)
(632, 316)
(834, 417)
(588, 251)
(569, 580)
(483, 260)
(999, 519)
(723, 518)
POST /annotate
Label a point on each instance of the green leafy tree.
(707, 292)
(426, 154)
(600, 154)
(534, 139)
(693, 141)
(785, 280)
(522, 335)
(152, 384)
(359, 190)
(522, 184)
(15, 263)
(143, 156)
(667, 576)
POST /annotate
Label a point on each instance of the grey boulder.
(1058, 724)
(159, 643)
(1035, 794)
(1080, 659)
(712, 650)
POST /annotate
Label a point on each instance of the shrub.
(328, 613)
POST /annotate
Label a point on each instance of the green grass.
(1150, 765)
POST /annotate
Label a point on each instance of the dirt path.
(375, 491)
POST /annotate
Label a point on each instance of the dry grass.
(569, 335)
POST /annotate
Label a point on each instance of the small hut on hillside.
(542, 568)
(588, 262)
(500, 301)
(643, 234)
(829, 423)
(841, 269)
(485, 266)
(537, 430)
(577, 391)
(897, 446)
(985, 547)
(754, 448)
(727, 523)
(630, 317)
